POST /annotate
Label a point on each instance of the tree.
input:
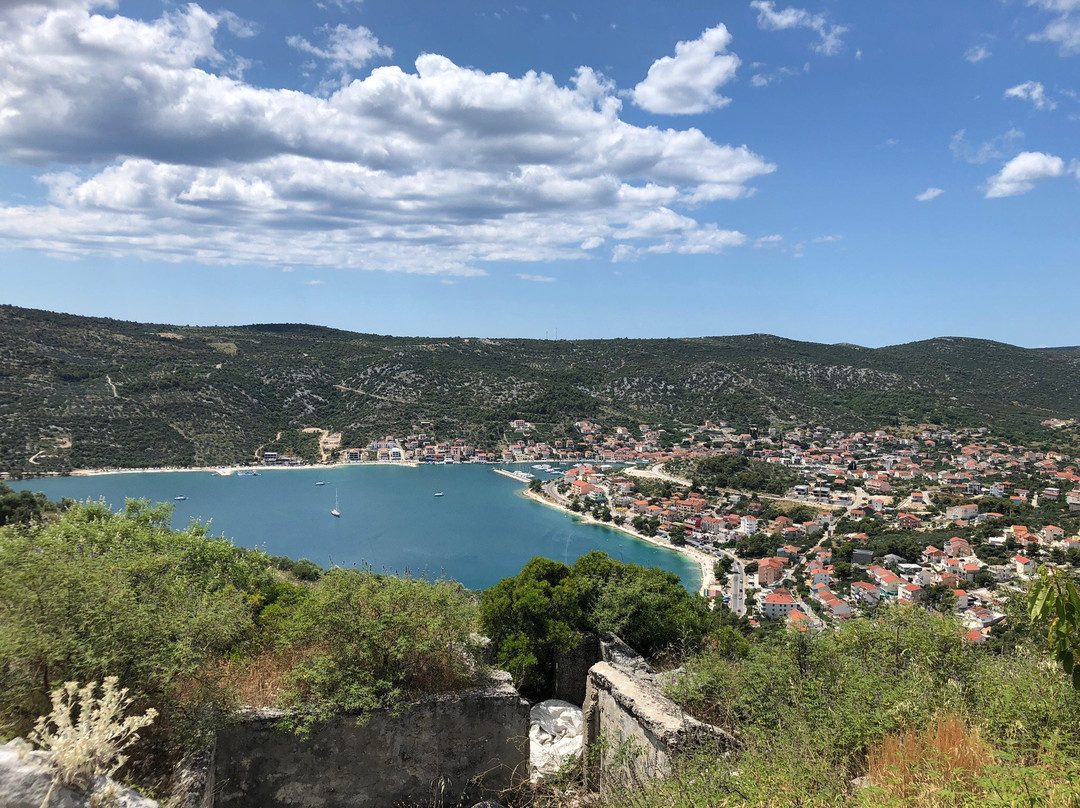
(540, 613)
(939, 597)
(536, 486)
(1054, 600)
(677, 534)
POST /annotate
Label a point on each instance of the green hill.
(94, 392)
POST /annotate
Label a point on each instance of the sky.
(834, 170)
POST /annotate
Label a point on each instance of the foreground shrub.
(88, 734)
(96, 594)
(365, 641)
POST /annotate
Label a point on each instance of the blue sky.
(835, 171)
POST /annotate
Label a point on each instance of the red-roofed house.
(778, 603)
(1024, 565)
(770, 570)
(908, 521)
(865, 593)
(909, 593)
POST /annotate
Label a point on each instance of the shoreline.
(704, 561)
(226, 471)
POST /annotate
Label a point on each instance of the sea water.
(481, 530)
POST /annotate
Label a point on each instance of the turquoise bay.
(479, 531)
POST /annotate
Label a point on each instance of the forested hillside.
(92, 392)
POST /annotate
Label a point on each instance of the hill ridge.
(125, 393)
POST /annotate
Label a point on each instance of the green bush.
(367, 641)
(534, 616)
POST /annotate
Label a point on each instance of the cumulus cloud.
(1032, 91)
(1064, 29)
(1019, 175)
(688, 82)
(151, 149)
(976, 53)
(772, 19)
(345, 48)
(929, 193)
(979, 153)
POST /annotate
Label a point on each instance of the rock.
(556, 735)
(26, 779)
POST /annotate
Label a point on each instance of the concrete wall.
(442, 750)
(572, 668)
(632, 730)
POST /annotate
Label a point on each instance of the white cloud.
(776, 76)
(826, 239)
(1064, 29)
(976, 53)
(535, 278)
(345, 47)
(155, 152)
(1019, 175)
(688, 82)
(993, 149)
(773, 240)
(1032, 91)
(314, 283)
(929, 193)
(771, 19)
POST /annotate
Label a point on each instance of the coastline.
(704, 561)
(225, 471)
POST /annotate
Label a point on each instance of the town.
(944, 518)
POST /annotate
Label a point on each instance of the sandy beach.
(704, 561)
(225, 471)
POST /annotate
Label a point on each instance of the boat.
(335, 511)
(320, 482)
(247, 473)
(180, 498)
(439, 494)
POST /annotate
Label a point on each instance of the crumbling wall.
(632, 730)
(442, 750)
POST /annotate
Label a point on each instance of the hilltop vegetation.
(194, 626)
(92, 392)
(900, 700)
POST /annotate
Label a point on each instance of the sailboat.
(335, 512)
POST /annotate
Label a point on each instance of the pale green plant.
(87, 734)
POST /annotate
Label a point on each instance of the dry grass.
(259, 681)
(937, 765)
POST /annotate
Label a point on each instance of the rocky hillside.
(92, 392)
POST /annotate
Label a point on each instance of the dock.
(520, 476)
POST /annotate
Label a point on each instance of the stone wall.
(632, 730)
(442, 750)
(572, 668)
